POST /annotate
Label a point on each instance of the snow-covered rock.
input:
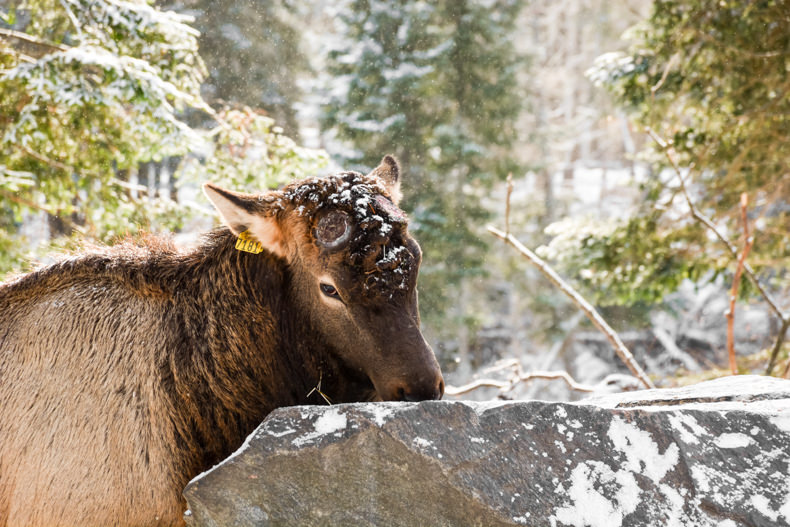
(714, 454)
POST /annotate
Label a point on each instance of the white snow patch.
(328, 423)
(379, 413)
(641, 452)
(588, 507)
(282, 433)
(690, 431)
(675, 514)
(238, 451)
(701, 480)
(782, 422)
(477, 440)
(482, 407)
(733, 440)
(760, 503)
(784, 510)
(422, 443)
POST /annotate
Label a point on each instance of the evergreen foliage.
(713, 79)
(435, 84)
(89, 89)
(252, 52)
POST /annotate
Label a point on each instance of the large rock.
(716, 454)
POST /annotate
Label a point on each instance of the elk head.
(354, 268)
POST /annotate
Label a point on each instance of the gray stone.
(714, 454)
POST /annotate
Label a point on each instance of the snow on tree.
(88, 91)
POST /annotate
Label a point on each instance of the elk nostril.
(400, 395)
(440, 391)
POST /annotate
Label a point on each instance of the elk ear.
(388, 172)
(248, 212)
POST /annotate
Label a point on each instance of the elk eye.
(330, 291)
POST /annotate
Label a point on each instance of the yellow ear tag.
(248, 244)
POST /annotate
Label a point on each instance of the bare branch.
(780, 337)
(29, 45)
(48, 161)
(618, 345)
(670, 64)
(506, 386)
(730, 314)
(507, 202)
(30, 204)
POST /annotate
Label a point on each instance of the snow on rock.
(380, 412)
(327, 423)
(732, 441)
(714, 454)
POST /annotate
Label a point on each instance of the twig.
(670, 64)
(748, 241)
(780, 337)
(317, 389)
(129, 186)
(506, 386)
(507, 202)
(618, 345)
(49, 161)
(699, 216)
(73, 19)
(619, 348)
(30, 45)
(27, 203)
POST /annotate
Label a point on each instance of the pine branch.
(29, 45)
(35, 206)
(699, 216)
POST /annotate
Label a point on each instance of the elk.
(125, 371)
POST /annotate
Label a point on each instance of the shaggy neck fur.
(215, 301)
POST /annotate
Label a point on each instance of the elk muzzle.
(426, 385)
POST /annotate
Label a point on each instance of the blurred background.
(112, 113)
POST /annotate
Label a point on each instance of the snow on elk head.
(353, 268)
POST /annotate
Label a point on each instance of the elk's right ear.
(388, 172)
(247, 212)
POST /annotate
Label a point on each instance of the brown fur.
(126, 371)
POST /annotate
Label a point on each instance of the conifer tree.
(89, 90)
(253, 54)
(712, 80)
(435, 84)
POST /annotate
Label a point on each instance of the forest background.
(647, 144)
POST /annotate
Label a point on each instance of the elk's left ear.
(388, 172)
(248, 212)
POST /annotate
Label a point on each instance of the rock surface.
(715, 454)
